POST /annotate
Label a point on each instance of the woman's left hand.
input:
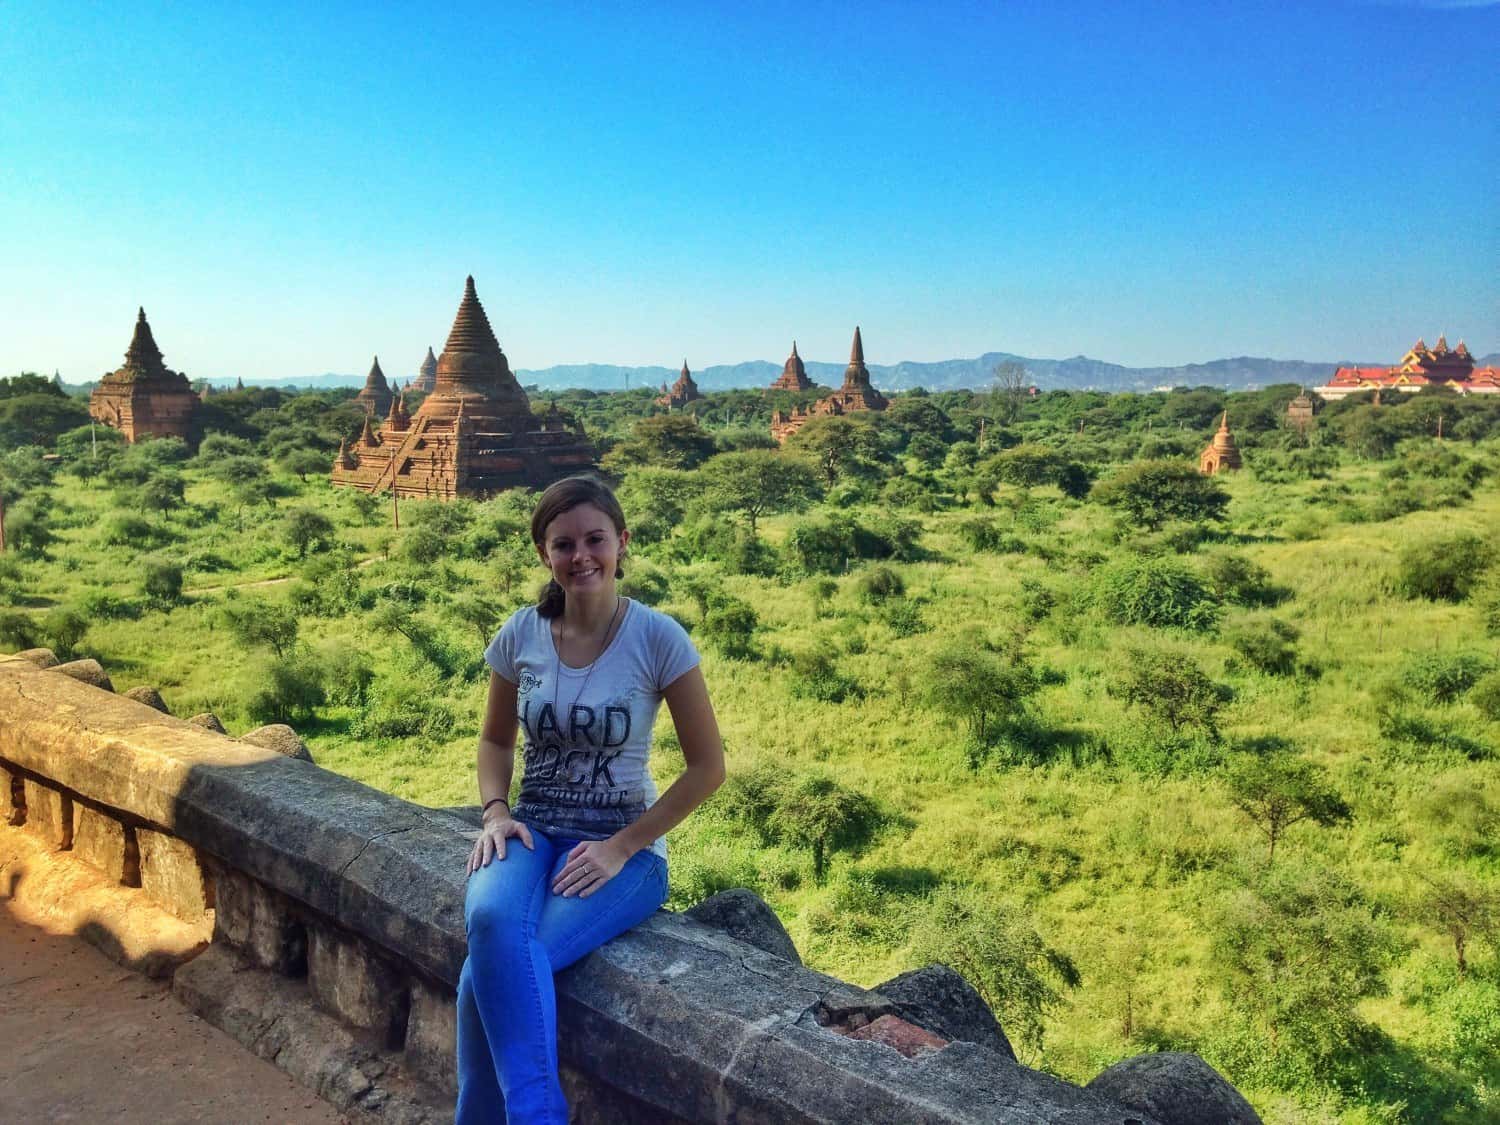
(590, 865)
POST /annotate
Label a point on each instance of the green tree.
(1447, 568)
(304, 528)
(1281, 789)
(65, 626)
(1171, 688)
(995, 946)
(288, 690)
(254, 622)
(1296, 950)
(980, 688)
(1149, 493)
(28, 529)
(756, 483)
(301, 461)
(38, 419)
(674, 441)
(839, 447)
(161, 581)
(817, 813)
(478, 612)
(162, 492)
(1462, 908)
(17, 630)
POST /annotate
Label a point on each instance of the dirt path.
(85, 1040)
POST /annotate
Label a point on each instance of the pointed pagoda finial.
(140, 315)
(857, 352)
(684, 365)
(794, 347)
(1224, 423)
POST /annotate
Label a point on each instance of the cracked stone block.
(260, 922)
(49, 814)
(172, 875)
(350, 981)
(101, 840)
(12, 799)
(431, 1035)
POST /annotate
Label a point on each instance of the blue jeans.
(520, 933)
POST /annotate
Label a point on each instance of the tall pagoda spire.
(143, 354)
(375, 395)
(856, 375)
(426, 374)
(793, 374)
(472, 366)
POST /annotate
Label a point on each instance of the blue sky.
(288, 190)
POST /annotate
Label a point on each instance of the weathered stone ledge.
(313, 875)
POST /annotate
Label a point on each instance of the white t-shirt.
(586, 732)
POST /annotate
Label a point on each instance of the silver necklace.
(557, 670)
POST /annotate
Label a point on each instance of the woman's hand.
(491, 842)
(590, 865)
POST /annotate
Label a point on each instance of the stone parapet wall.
(332, 916)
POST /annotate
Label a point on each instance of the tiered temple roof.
(1222, 453)
(144, 397)
(375, 395)
(682, 392)
(856, 394)
(426, 375)
(793, 374)
(1420, 367)
(474, 435)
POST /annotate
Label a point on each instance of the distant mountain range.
(1078, 373)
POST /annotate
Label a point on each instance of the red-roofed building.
(1420, 367)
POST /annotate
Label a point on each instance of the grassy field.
(1122, 864)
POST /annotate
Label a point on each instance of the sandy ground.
(82, 1039)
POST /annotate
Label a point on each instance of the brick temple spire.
(375, 395)
(143, 354)
(857, 351)
(426, 374)
(143, 398)
(793, 374)
(683, 391)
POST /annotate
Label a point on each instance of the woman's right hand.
(491, 842)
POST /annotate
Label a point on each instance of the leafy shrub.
(1266, 644)
(729, 625)
(347, 674)
(126, 530)
(161, 581)
(289, 690)
(1444, 676)
(904, 618)
(912, 494)
(1485, 695)
(1445, 569)
(878, 583)
(831, 545)
(405, 706)
(644, 582)
(1170, 688)
(1035, 601)
(986, 535)
(105, 605)
(815, 675)
(65, 626)
(1159, 592)
(1242, 581)
(17, 630)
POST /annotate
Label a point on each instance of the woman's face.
(582, 549)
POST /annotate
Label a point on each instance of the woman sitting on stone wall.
(582, 676)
